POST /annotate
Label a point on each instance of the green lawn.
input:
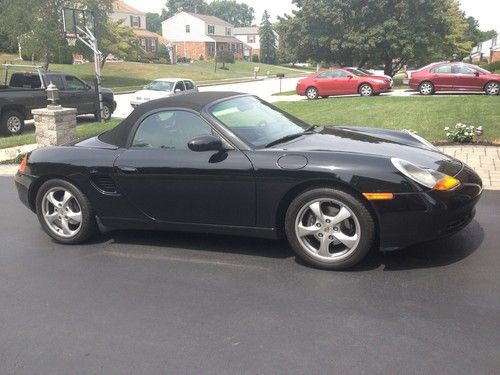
(82, 131)
(426, 115)
(124, 76)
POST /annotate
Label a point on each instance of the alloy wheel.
(327, 229)
(312, 93)
(493, 88)
(106, 115)
(426, 88)
(14, 124)
(62, 212)
(366, 90)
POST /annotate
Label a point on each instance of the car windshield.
(255, 122)
(356, 72)
(160, 86)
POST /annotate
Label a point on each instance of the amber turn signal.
(378, 196)
(446, 183)
(22, 166)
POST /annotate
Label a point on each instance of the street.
(135, 302)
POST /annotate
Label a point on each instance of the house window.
(250, 38)
(135, 21)
(211, 29)
(188, 29)
(143, 43)
(211, 48)
(152, 45)
(228, 31)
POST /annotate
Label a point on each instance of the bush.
(493, 67)
(255, 58)
(225, 57)
(183, 60)
(201, 58)
(463, 133)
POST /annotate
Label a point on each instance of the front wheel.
(106, 112)
(366, 90)
(64, 212)
(312, 93)
(492, 88)
(329, 229)
(426, 88)
(12, 123)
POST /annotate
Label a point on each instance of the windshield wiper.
(315, 128)
(286, 138)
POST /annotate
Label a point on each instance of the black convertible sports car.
(230, 163)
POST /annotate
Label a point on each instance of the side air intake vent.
(104, 183)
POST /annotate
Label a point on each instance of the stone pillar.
(54, 126)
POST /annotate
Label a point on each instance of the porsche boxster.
(230, 163)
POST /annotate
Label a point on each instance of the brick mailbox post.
(54, 124)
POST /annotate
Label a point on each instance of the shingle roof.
(212, 20)
(246, 30)
(121, 7)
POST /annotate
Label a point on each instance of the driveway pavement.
(166, 303)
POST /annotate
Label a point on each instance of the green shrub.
(255, 58)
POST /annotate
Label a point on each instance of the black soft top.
(118, 136)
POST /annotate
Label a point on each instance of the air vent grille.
(104, 183)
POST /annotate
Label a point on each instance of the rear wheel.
(426, 88)
(312, 93)
(365, 90)
(64, 212)
(492, 88)
(12, 123)
(106, 112)
(329, 229)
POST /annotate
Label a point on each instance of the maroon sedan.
(454, 77)
(341, 82)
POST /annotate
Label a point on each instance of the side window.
(74, 84)
(170, 130)
(189, 85)
(179, 86)
(462, 69)
(324, 75)
(341, 74)
(56, 80)
(443, 69)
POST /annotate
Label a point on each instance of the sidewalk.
(485, 160)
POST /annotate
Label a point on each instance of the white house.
(250, 36)
(488, 50)
(197, 36)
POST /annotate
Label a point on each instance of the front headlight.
(422, 140)
(432, 179)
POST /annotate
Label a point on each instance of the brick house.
(488, 50)
(198, 36)
(135, 19)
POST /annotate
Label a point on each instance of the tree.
(225, 57)
(237, 14)
(174, 6)
(474, 34)
(41, 22)
(120, 41)
(153, 22)
(267, 40)
(388, 32)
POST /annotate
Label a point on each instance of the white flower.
(447, 128)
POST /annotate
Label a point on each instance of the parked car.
(219, 162)
(409, 73)
(163, 88)
(26, 91)
(376, 74)
(454, 76)
(340, 82)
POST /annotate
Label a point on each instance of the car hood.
(375, 143)
(151, 94)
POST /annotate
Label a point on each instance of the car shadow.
(437, 253)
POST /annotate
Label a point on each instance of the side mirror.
(88, 86)
(349, 76)
(476, 74)
(205, 143)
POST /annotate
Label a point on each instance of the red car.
(341, 81)
(454, 77)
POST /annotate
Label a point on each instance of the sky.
(486, 11)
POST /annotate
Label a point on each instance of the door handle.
(126, 169)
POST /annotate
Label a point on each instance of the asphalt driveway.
(167, 303)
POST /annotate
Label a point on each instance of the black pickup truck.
(26, 91)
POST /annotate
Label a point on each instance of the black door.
(171, 183)
(77, 94)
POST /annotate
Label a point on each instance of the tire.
(54, 207)
(316, 240)
(312, 93)
(107, 112)
(365, 90)
(12, 123)
(426, 88)
(492, 88)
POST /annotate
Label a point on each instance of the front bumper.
(418, 217)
